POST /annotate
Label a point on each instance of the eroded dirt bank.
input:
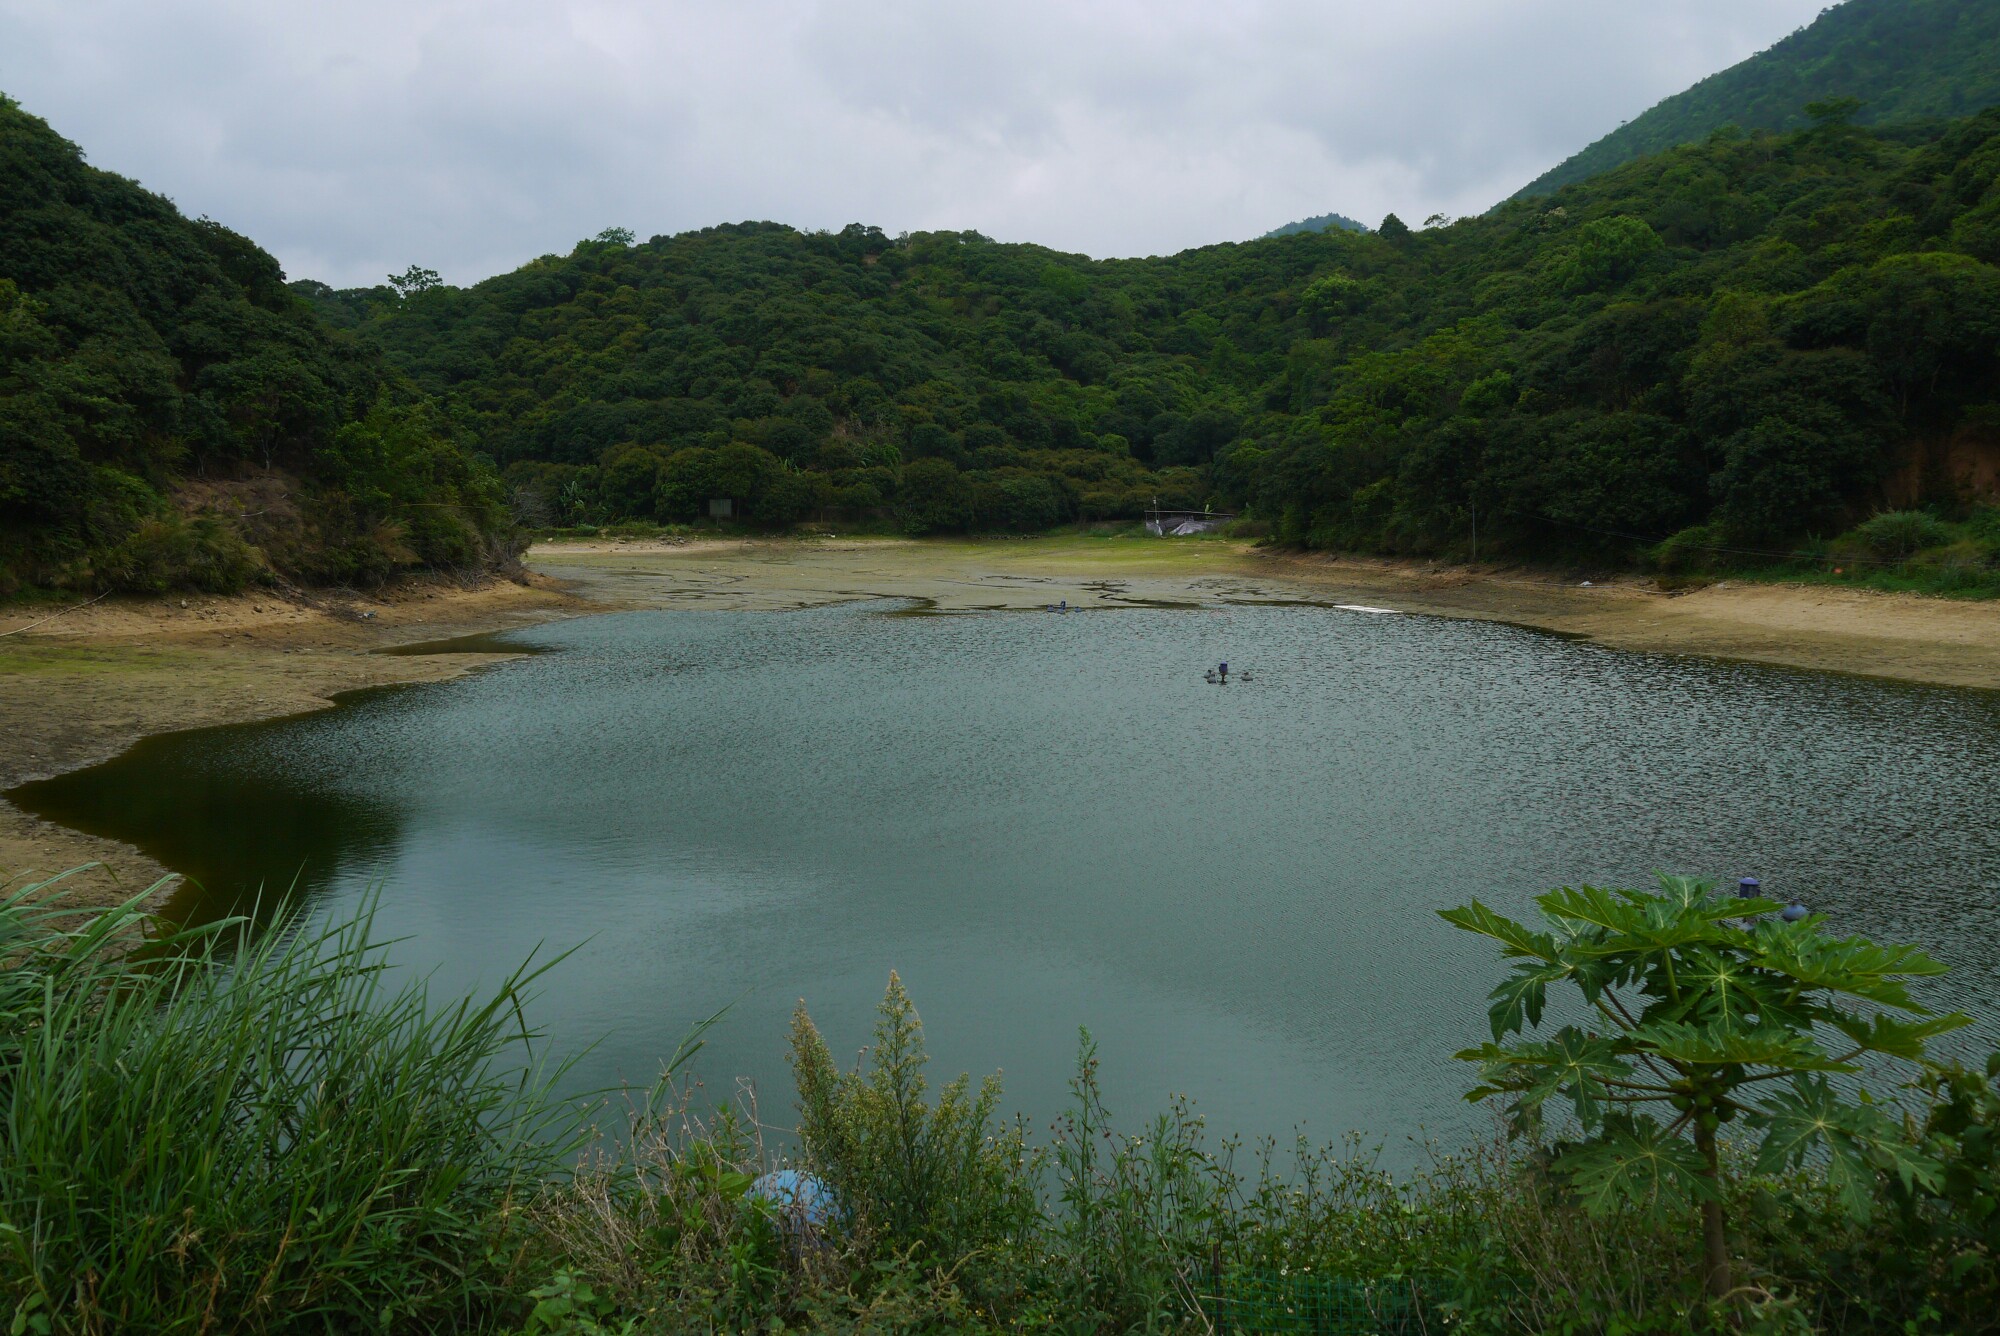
(88, 683)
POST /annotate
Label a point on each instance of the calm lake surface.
(1049, 821)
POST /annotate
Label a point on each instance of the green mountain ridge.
(172, 415)
(1755, 340)
(1317, 223)
(1905, 60)
(1752, 341)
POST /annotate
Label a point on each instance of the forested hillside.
(1904, 60)
(171, 414)
(1754, 339)
(1747, 342)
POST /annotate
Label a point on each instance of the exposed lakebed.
(1048, 821)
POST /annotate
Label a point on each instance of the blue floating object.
(802, 1201)
(1793, 912)
(1749, 888)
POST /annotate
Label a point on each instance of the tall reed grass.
(257, 1133)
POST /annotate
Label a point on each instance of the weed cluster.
(232, 1134)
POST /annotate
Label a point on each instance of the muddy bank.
(82, 686)
(1885, 635)
(1902, 636)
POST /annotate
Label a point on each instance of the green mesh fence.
(1277, 1302)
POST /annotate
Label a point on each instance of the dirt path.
(87, 684)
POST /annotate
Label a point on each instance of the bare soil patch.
(1907, 637)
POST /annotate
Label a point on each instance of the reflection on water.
(245, 835)
(1052, 821)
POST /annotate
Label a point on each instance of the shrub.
(1692, 549)
(1983, 525)
(1895, 535)
(1138, 1213)
(934, 497)
(660, 1220)
(170, 552)
(1935, 1245)
(943, 1176)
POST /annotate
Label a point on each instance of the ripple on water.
(1046, 822)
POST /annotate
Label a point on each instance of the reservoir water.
(1045, 822)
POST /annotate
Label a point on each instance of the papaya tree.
(1694, 1011)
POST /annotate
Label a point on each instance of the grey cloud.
(470, 135)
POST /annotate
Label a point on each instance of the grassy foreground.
(267, 1135)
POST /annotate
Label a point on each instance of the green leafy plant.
(1896, 534)
(1708, 1010)
(1137, 1211)
(567, 1306)
(944, 1174)
(1936, 1246)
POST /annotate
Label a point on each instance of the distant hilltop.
(1904, 60)
(1319, 224)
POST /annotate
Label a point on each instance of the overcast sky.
(356, 137)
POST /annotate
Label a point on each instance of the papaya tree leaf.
(1720, 1044)
(1635, 1162)
(1517, 938)
(1855, 1136)
(1590, 905)
(1850, 965)
(1900, 1039)
(1521, 996)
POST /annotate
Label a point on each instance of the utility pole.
(1475, 530)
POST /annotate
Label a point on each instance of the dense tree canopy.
(1318, 223)
(1742, 342)
(170, 413)
(1746, 334)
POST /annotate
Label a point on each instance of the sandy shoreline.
(83, 686)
